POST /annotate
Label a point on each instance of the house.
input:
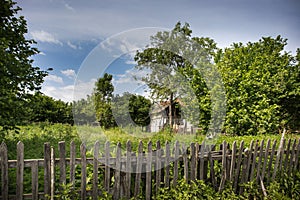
(159, 117)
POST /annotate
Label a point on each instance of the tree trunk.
(171, 111)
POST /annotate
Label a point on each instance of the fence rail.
(127, 174)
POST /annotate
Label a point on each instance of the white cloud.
(43, 36)
(64, 93)
(70, 73)
(73, 46)
(54, 78)
(42, 53)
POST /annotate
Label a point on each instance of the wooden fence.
(88, 176)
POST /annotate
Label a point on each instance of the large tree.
(18, 77)
(262, 86)
(180, 66)
(103, 94)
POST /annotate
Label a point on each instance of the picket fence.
(261, 162)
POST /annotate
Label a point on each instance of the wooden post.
(138, 169)
(238, 168)
(107, 166)
(62, 162)
(167, 165)
(95, 171)
(118, 172)
(193, 162)
(83, 171)
(158, 165)
(4, 171)
(20, 170)
(35, 179)
(128, 170)
(47, 156)
(176, 157)
(149, 171)
(72, 163)
(233, 157)
(52, 174)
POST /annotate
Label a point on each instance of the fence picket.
(253, 165)
(158, 166)
(72, 163)
(138, 169)
(167, 165)
(47, 156)
(20, 170)
(238, 166)
(107, 166)
(62, 162)
(34, 180)
(83, 171)
(128, 170)
(149, 171)
(4, 171)
(176, 157)
(95, 170)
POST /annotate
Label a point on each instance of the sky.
(81, 40)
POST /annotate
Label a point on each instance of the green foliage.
(17, 75)
(131, 109)
(262, 84)
(181, 67)
(102, 101)
(46, 109)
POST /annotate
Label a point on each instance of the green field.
(34, 136)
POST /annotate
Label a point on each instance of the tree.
(179, 66)
(47, 109)
(102, 100)
(84, 111)
(130, 109)
(18, 78)
(262, 86)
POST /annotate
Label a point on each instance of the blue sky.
(74, 36)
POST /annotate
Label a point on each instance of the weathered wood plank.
(83, 171)
(158, 177)
(167, 165)
(212, 171)
(138, 169)
(149, 171)
(259, 164)
(270, 162)
(35, 180)
(117, 191)
(72, 163)
(233, 160)
(107, 167)
(62, 162)
(176, 157)
(128, 170)
(290, 164)
(95, 171)
(52, 174)
(287, 154)
(238, 168)
(20, 170)
(297, 156)
(263, 171)
(193, 162)
(47, 157)
(4, 171)
(224, 165)
(253, 165)
(185, 163)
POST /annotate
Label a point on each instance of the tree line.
(260, 85)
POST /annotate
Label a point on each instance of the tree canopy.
(262, 86)
(18, 77)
